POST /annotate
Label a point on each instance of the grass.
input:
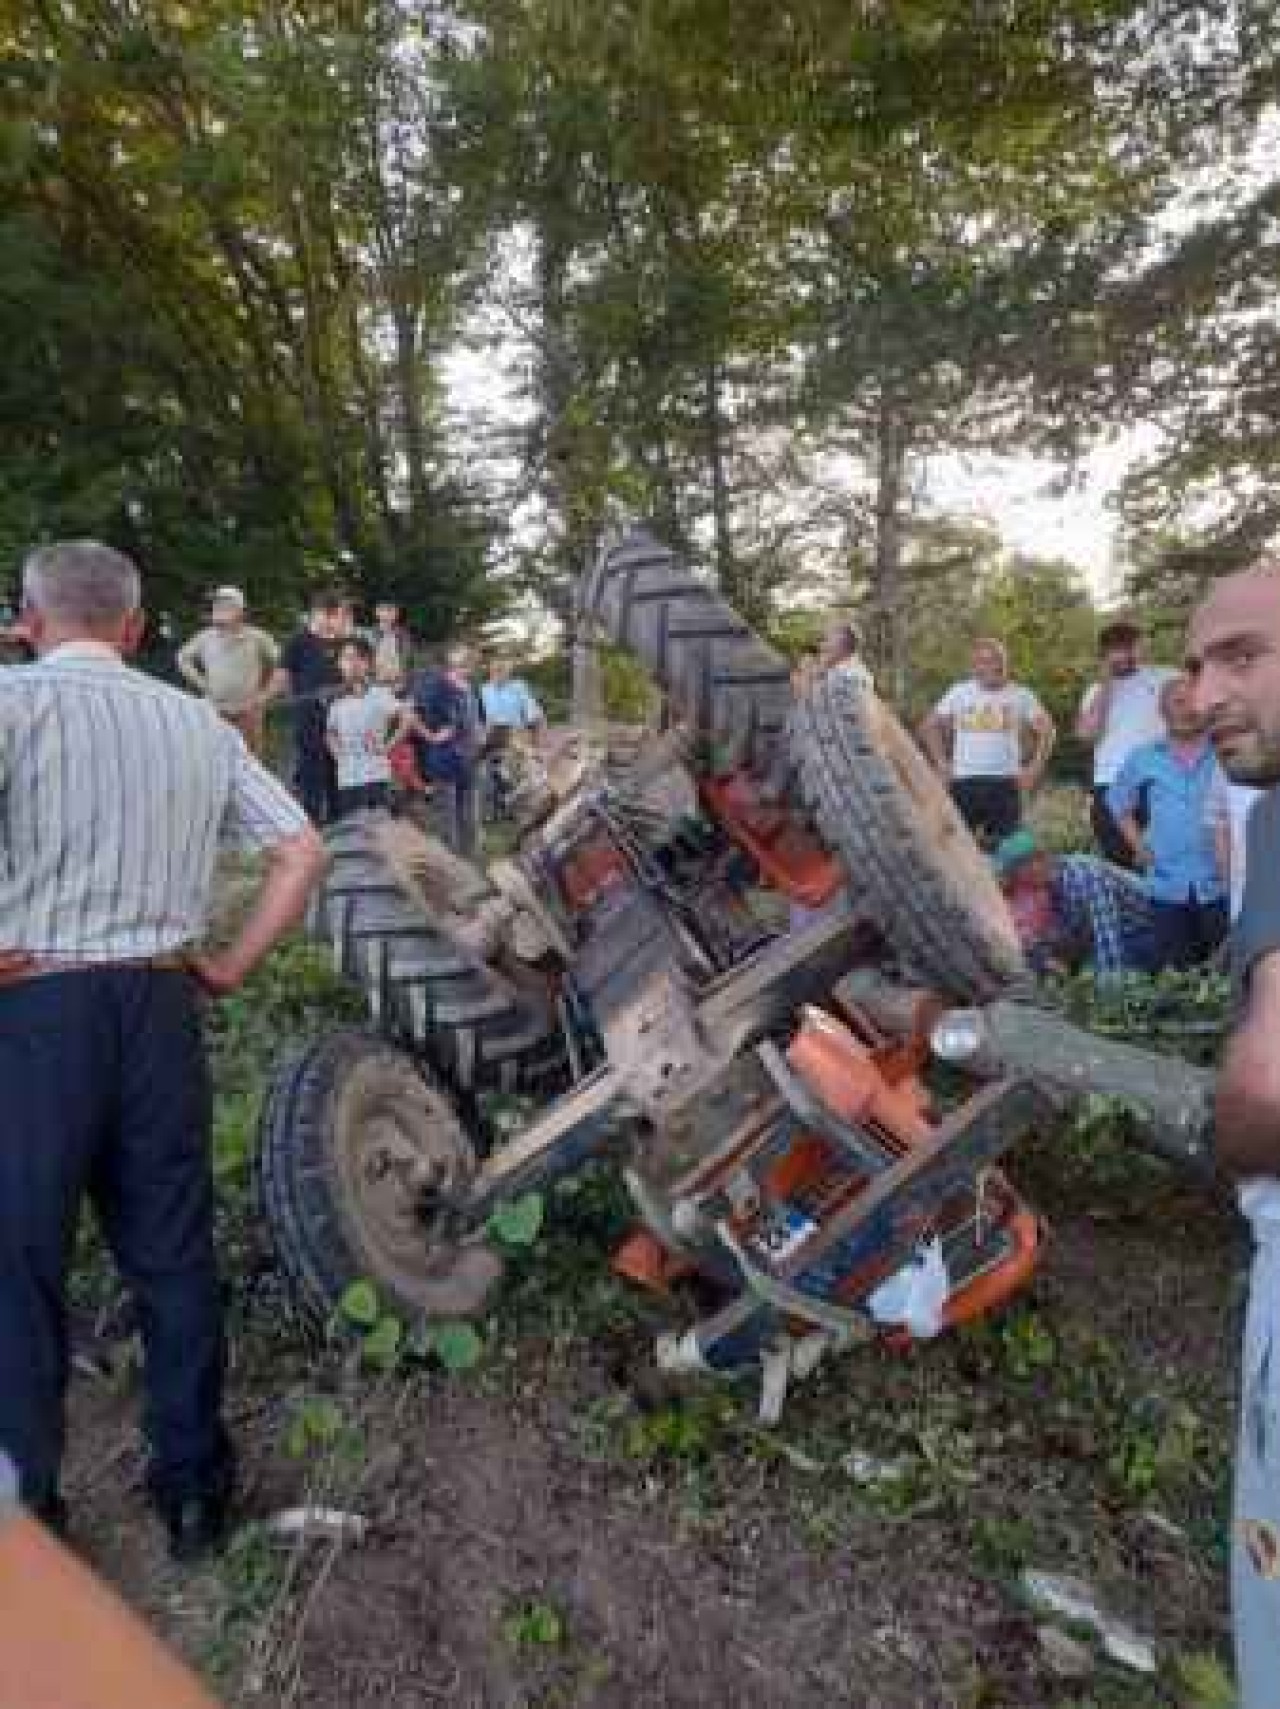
(1042, 1438)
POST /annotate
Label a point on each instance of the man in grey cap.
(230, 663)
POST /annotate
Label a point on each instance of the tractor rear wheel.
(423, 988)
(357, 1147)
(719, 677)
(910, 862)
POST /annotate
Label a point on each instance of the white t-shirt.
(1133, 719)
(358, 725)
(1230, 804)
(988, 724)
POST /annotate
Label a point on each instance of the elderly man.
(1234, 660)
(114, 793)
(1174, 850)
(231, 663)
(992, 738)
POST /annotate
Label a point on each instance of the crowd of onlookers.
(1157, 891)
(1167, 870)
(364, 718)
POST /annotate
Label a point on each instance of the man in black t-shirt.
(308, 673)
(1234, 658)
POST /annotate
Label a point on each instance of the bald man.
(1233, 658)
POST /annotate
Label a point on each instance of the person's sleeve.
(1032, 707)
(260, 812)
(435, 707)
(950, 703)
(189, 662)
(533, 713)
(1089, 699)
(1123, 795)
(289, 660)
(1257, 932)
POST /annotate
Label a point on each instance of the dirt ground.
(551, 1529)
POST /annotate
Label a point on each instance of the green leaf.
(519, 1222)
(457, 1346)
(359, 1305)
(539, 1624)
(381, 1346)
(316, 1423)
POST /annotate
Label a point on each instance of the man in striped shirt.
(115, 792)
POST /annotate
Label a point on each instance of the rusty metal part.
(1171, 1100)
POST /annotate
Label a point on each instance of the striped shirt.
(115, 793)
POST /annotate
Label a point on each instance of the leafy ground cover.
(548, 1525)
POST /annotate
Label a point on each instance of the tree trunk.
(722, 534)
(884, 641)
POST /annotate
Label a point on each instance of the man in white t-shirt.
(992, 739)
(363, 722)
(1119, 714)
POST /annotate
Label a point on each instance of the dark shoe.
(197, 1526)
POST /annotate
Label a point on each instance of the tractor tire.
(353, 1138)
(718, 676)
(422, 989)
(911, 865)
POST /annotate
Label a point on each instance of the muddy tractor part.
(688, 966)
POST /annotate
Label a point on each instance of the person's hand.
(14, 963)
(1144, 858)
(216, 973)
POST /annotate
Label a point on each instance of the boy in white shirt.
(1119, 714)
(364, 721)
(977, 735)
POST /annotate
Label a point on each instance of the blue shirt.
(510, 705)
(444, 704)
(1178, 833)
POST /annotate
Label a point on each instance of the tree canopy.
(745, 267)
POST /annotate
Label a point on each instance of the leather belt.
(16, 966)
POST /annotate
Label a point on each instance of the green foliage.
(536, 1625)
(519, 1221)
(458, 1346)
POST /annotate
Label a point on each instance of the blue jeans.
(104, 1092)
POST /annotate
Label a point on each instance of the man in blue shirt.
(449, 745)
(1175, 852)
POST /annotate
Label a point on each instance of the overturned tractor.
(724, 963)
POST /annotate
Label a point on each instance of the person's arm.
(1044, 733)
(261, 814)
(295, 866)
(1095, 709)
(268, 667)
(1122, 804)
(191, 665)
(1247, 1106)
(937, 733)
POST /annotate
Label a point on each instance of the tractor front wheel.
(359, 1151)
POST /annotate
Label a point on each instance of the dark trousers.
(990, 806)
(1106, 832)
(315, 777)
(456, 810)
(1183, 934)
(361, 797)
(104, 1091)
